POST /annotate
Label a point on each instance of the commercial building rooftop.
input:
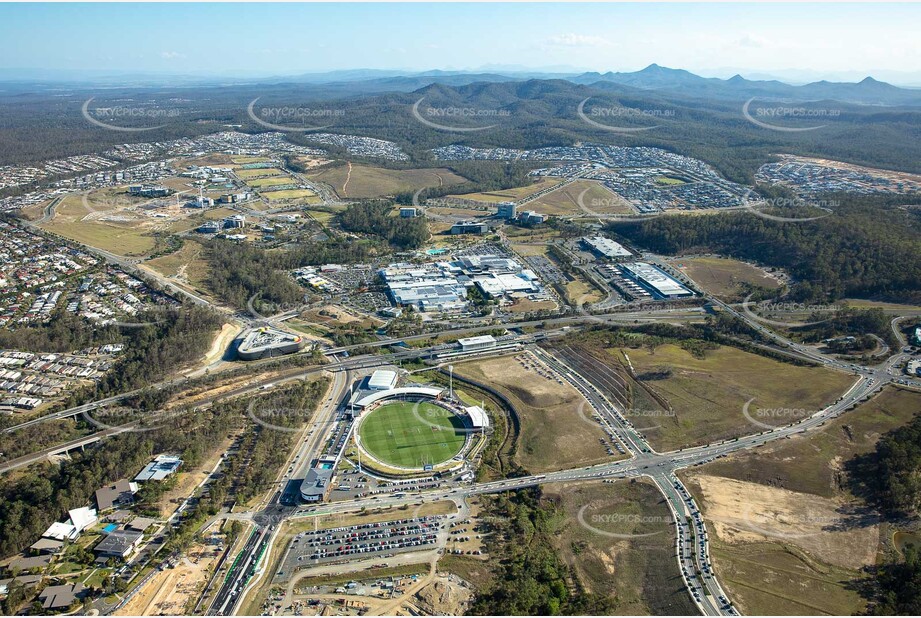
(267, 341)
(382, 380)
(159, 468)
(605, 247)
(655, 280)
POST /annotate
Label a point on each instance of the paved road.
(692, 543)
(691, 554)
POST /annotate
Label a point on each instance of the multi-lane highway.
(692, 546)
(692, 550)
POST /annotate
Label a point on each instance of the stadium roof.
(396, 392)
(478, 417)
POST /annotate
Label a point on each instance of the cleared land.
(129, 239)
(188, 265)
(291, 194)
(724, 276)
(172, 590)
(784, 516)
(861, 303)
(510, 195)
(580, 293)
(258, 173)
(595, 197)
(554, 435)
(270, 182)
(367, 181)
(410, 435)
(640, 574)
(707, 395)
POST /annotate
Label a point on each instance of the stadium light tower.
(451, 381)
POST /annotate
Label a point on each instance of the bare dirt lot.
(595, 198)
(362, 181)
(825, 528)
(787, 534)
(171, 590)
(724, 276)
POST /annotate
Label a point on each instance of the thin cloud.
(572, 39)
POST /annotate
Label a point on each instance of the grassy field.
(244, 160)
(554, 435)
(188, 265)
(325, 214)
(579, 292)
(292, 194)
(640, 573)
(121, 240)
(707, 395)
(813, 536)
(565, 201)
(367, 181)
(259, 183)
(510, 195)
(861, 303)
(409, 435)
(669, 180)
(723, 276)
(811, 463)
(258, 173)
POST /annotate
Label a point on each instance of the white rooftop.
(382, 380)
(82, 518)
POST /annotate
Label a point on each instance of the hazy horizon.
(793, 42)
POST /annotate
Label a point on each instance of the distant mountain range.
(654, 77)
(678, 81)
(358, 82)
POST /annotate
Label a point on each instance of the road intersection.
(692, 541)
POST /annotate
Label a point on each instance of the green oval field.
(396, 435)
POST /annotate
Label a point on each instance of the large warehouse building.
(654, 280)
(605, 247)
(443, 286)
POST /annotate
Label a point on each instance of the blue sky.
(276, 39)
